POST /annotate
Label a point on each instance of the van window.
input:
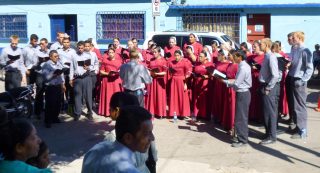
(208, 40)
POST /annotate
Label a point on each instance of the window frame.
(122, 40)
(21, 39)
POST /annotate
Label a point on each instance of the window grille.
(13, 24)
(227, 23)
(124, 25)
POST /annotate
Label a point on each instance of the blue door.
(57, 24)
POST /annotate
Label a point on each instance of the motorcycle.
(17, 102)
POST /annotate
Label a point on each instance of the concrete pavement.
(184, 147)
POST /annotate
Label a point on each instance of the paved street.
(192, 148)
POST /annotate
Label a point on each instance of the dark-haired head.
(19, 140)
(241, 54)
(42, 160)
(120, 99)
(244, 46)
(134, 128)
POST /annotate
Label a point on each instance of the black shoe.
(238, 144)
(76, 118)
(296, 136)
(56, 120)
(48, 125)
(267, 141)
(90, 117)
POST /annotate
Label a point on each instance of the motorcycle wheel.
(27, 109)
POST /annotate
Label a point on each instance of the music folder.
(13, 57)
(219, 74)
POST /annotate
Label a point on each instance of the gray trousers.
(82, 88)
(270, 104)
(241, 118)
(297, 96)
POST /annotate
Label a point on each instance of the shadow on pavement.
(70, 139)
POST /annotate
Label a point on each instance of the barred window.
(124, 25)
(13, 24)
(227, 23)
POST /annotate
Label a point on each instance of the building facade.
(244, 20)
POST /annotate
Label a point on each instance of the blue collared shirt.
(134, 76)
(301, 64)
(42, 54)
(243, 79)
(48, 70)
(94, 62)
(269, 72)
(111, 157)
(66, 56)
(76, 70)
(17, 64)
(30, 57)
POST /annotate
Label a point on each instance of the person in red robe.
(180, 69)
(283, 103)
(215, 50)
(229, 105)
(219, 87)
(110, 83)
(201, 101)
(255, 61)
(193, 55)
(244, 47)
(156, 91)
(170, 49)
(117, 47)
(148, 53)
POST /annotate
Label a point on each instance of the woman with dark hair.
(19, 142)
(229, 101)
(180, 70)
(244, 47)
(218, 88)
(200, 99)
(170, 49)
(148, 54)
(156, 98)
(42, 160)
(193, 55)
(255, 60)
(110, 82)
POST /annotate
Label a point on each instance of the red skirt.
(156, 97)
(283, 102)
(229, 109)
(200, 98)
(109, 85)
(179, 99)
(255, 109)
(217, 104)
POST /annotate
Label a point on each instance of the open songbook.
(60, 71)
(167, 55)
(84, 63)
(219, 74)
(112, 72)
(13, 57)
(43, 59)
(155, 70)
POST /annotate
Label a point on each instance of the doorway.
(64, 23)
(258, 27)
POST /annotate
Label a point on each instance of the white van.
(205, 38)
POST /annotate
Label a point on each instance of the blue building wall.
(293, 15)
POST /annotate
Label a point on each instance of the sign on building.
(155, 7)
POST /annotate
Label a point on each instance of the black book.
(60, 71)
(84, 63)
(155, 70)
(282, 62)
(111, 72)
(67, 64)
(172, 70)
(13, 57)
(43, 59)
(167, 55)
(253, 63)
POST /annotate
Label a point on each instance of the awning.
(243, 6)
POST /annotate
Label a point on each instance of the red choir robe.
(201, 101)
(197, 48)
(229, 105)
(119, 52)
(147, 56)
(179, 102)
(156, 91)
(218, 92)
(170, 51)
(97, 51)
(109, 84)
(255, 109)
(283, 102)
(214, 56)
